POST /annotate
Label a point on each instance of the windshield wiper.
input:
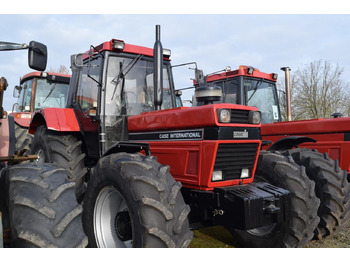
(51, 90)
(257, 85)
(121, 75)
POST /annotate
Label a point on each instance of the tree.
(62, 70)
(318, 91)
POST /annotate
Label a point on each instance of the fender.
(57, 119)
(128, 148)
(290, 142)
(22, 118)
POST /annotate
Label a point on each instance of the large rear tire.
(297, 230)
(43, 210)
(23, 139)
(62, 149)
(139, 200)
(332, 188)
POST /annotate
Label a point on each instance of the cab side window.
(87, 92)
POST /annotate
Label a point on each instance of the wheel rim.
(110, 206)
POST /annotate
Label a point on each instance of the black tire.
(297, 230)
(332, 188)
(23, 139)
(43, 209)
(148, 207)
(63, 150)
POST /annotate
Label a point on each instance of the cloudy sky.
(212, 38)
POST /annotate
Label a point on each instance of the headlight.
(217, 175)
(254, 117)
(224, 115)
(245, 173)
(118, 45)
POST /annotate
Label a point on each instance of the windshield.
(50, 94)
(129, 87)
(262, 95)
(129, 91)
(229, 92)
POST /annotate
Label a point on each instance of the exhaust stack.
(158, 70)
(287, 82)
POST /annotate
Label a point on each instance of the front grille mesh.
(239, 116)
(231, 158)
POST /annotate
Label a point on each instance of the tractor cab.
(247, 86)
(39, 90)
(115, 80)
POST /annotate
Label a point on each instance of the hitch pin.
(218, 212)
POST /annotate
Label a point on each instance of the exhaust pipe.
(158, 70)
(287, 81)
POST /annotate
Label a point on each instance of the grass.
(220, 237)
(212, 237)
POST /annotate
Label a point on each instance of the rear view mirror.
(37, 53)
(199, 76)
(37, 56)
(76, 62)
(17, 91)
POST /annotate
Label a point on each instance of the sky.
(214, 37)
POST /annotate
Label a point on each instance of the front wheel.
(133, 201)
(297, 230)
(43, 210)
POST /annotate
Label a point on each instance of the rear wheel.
(23, 139)
(62, 149)
(332, 188)
(298, 229)
(133, 201)
(43, 210)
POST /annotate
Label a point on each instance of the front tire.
(298, 229)
(43, 210)
(139, 200)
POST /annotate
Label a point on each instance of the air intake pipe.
(158, 70)
(288, 96)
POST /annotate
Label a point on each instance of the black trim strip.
(208, 133)
(196, 134)
(232, 133)
(12, 142)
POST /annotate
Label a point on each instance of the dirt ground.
(219, 237)
(340, 239)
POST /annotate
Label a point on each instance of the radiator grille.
(231, 158)
(239, 116)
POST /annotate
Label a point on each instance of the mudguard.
(289, 142)
(128, 148)
(57, 119)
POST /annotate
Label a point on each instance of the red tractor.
(37, 90)
(147, 171)
(322, 146)
(38, 207)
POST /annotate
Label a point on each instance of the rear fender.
(128, 148)
(289, 142)
(57, 119)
